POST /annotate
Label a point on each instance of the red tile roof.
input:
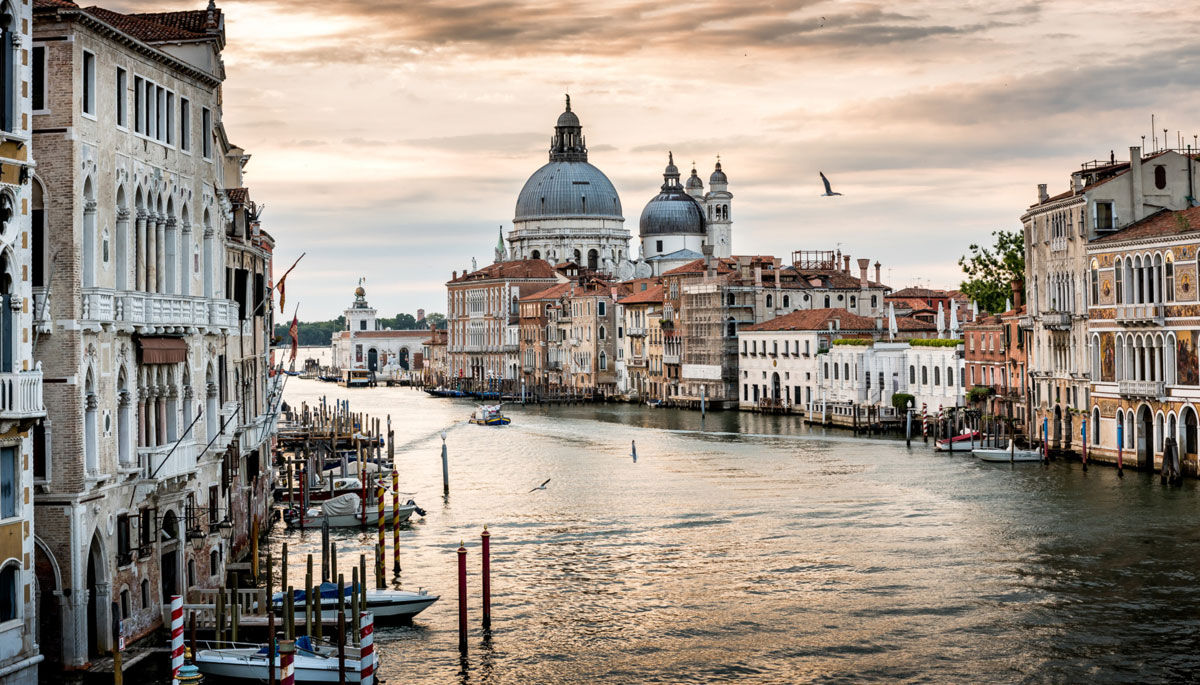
(815, 320)
(552, 293)
(54, 4)
(193, 21)
(143, 29)
(908, 323)
(1163, 223)
(522, 268)
(238, 196)
(652, 294)
(697, 267)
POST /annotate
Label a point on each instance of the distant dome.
(672, 211)
(568, 118)
(718, 176)
(568, 189)
(694, 182)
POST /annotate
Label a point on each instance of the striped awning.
(163, 350)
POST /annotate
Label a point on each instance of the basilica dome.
(565, 189)
(568, 187)
(672, 211)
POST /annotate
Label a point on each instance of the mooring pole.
(395, 511)
(462, 598)
(445, 467)
(486, 552)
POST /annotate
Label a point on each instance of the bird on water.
(828, 190)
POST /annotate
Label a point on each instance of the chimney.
(453, 275)
(708, 260)
(1042, 194)
(1137, 199)
(877, 279)
(863, 265)
(1018, 287)
(846, 263)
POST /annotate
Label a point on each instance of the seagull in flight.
(828, 191)
(542, 486)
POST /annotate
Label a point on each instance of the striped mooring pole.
(395, 518)
(176, 636)
(366, 658)
(287, 653)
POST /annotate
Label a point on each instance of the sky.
(390, 138)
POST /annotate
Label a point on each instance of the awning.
(163, 350)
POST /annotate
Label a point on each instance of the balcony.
(636, 331)
(1057, 321)
(156, 313)
(636, 363)
(161, 463)
(1153, 389)
(1140, 314)
(670, 358)
(21, 396)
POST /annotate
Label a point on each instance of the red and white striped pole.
(176, 635)
(395, 519)
(287, 653)
(366, 652)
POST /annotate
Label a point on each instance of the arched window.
(729, 299)
(912, 375)
(924, 375)
(8, 593)
(603, 361)
(827, 302)
(1160, 176)
(937, 375)
(731, 328)
(1117, 275)
(846, 368)
(786, 301)
(949, 376)
(1169, 279)
(768, 301)
(603, 333)
(536, 254)
(853, 302)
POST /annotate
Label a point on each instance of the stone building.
(539, 340)
(1103, 197)
(365, 344)
(678, 222)
(436, 370)
(480, 306)
(642, 312)
(157, 374)
(22, 432)
(1143, 334)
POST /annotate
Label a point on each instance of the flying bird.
(828, 191)
(542, 486)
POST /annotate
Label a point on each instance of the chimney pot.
(846, 263)
(1042, 194)
(877, 265)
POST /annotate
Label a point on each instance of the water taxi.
(489, 415)
(355, 378)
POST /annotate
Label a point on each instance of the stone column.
(151, 251)
(140, 257)
(152, 416)
(160, 226)
(185, 259)
(161, 409)
(173, 286)
(142, 418)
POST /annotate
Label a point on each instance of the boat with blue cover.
(384, 604)
(311, 663)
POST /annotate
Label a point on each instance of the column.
(152, 418)
(142, 441)
(161, 408)
(160, 247)
(140, 265)
(185, 260)
(151, 251)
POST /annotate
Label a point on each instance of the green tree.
(991, 270)
(435, 320)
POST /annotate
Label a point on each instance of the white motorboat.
(1009, 453)
(311, 664)
(383, 604)
(964, 442)
(346, 511)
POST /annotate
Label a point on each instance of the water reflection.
(749, 547)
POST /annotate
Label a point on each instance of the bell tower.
(716, 204)
(360, 316)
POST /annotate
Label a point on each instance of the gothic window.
(768, 301)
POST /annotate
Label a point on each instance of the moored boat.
(347, 511)
(964, 442)
(312, 663)
(384, 604)
(1008, 454)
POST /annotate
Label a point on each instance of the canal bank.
(749, 546)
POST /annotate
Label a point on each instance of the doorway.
(1145, 439)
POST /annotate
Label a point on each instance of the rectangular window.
(123, 554)
(89, 83)
(10, 482)
(170, 118)
(161, 109)
(185, 124)
(8, 91)
(206, 132)
(39, 78)
(122, 105)
(1105, 217)
(139, 105)
(151, 108)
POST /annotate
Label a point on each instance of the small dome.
(672, 212)
(694, 182)
(671, 169)
(568, 118)
(718, 176)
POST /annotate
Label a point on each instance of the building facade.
(365, 344)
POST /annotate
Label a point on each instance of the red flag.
(294, 333)
(281, 293)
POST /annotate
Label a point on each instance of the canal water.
(752, 548)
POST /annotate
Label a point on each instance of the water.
(751, 548)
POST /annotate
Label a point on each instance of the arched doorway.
(1056, 432)
(97, 600)
(775, 386)
(1188, 443)
(49, 607)
(373, 359)
(593, 260)
(170, 557)
(403, 358)
(1145, 439)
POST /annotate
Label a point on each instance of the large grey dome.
(566, 189)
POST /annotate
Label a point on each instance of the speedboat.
(382, 603)
(346, 511)
(1009, 453)
(959, 443)
(321, 491)
(489, 415)
(312, 663)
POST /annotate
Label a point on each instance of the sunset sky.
(390, 137)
